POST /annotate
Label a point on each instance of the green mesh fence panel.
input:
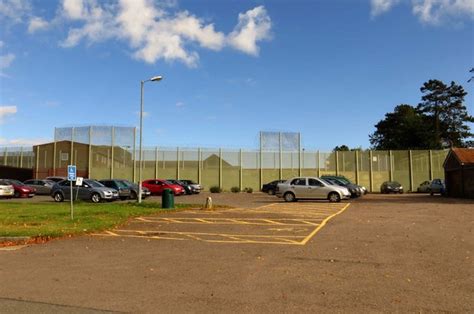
(309, 164)
(210, 168)
(251, 170)
(401, 168)
(347, 165)
(101, 152)
(230, 169)
(438, 157)
(271, 166)
(421, 167)
(123, 138)
(167, 164)
(380, 168)
(327, 163)
(290, 165)
(189, 162)
(364, 168)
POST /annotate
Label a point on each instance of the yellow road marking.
(266, 205)
(136, 236)
(273, 222)
(206, 233)
(323, 223)
(233, 221)
(111, 233)
(202, 220)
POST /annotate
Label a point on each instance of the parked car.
(355, 190)
(424, 187)
(90, 190)
(197, 188)
(156, 186)
(311, 188)
(56, 179)
(345, 180)
(42, 187)
(187, 188)
(20, 189)
(270, 188)
(121, 187)
(391, 187)
(134, 190)
(6, 189)
(437, 186)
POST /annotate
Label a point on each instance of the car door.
(66, 189)
(316, 188)
(42, 188)
(299, 187)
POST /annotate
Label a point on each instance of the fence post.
(134, 157)
(89, 158)
(5, 156)
(220, 168)
(318, 155)
(261, 163)
(241, 177)
(54, 153)
(300, 173)
(21, 157)
(337, 163)
(431, 164)
(156, 162)
(357, 166)
(371, 175)
(410, 167)
(199, 166)
(37, 161)
(112, 155)
(391, 164)
(177, 163)
(281, 155)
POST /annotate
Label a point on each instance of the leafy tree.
(444, 105)
(404, 128)
(342, 148)
(472, 77)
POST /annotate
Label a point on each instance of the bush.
(215, 189)
(235, 189)
(248, 190)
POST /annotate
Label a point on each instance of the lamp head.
(156, 78)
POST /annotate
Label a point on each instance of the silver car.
(311, 188)
(90, 190)
(41, 186)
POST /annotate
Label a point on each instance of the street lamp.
(140, 162)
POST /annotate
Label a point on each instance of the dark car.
(391, 187)
(120, 186)
(42, 187)
(197, 188)
(21, 190)
(187, 188)
(134, 190)
(56, 179)
(345, 180)
(270, 188)
(90, 190)
(355, 190)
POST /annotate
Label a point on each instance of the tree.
(404, 128)
(444, 105)
(342, 148)
(472, 77)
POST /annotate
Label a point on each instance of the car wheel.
(58, 197)
(123, 198)
(271, 192)
(95, 198)
(289, 197)
(16, 194)
(334, 197)
(133, 195)
(431, 193)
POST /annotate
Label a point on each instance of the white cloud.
(254, 25)
(6, 60)
(6, 111)
(438, 11)
(381, 6)
(180, 104)
(432, 12)
(37, 24)
(15, 10)
(153, 33)
(2, 44)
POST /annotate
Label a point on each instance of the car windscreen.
(4, 182)
(94, 184)
(395, 184)
(16, 182)
(121, 184)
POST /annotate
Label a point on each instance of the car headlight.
(401, 187)
(24, 190)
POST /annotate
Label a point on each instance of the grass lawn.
(54, 219)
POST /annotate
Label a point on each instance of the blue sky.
(327, 69)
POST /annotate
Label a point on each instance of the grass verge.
(53, 220)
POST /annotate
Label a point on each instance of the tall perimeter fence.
(110, 152)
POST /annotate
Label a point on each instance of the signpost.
(71, 176)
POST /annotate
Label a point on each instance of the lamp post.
(140, 162)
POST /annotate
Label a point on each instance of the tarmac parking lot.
(378, 253)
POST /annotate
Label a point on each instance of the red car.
(156, 186)
(21, 189)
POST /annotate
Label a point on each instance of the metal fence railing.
(223, 167)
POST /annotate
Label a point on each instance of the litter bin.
(167, 199)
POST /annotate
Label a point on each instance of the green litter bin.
(167, 199)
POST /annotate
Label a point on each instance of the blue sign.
(71, 173)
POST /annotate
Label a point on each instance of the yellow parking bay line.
(236, 221)
(312, 234)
